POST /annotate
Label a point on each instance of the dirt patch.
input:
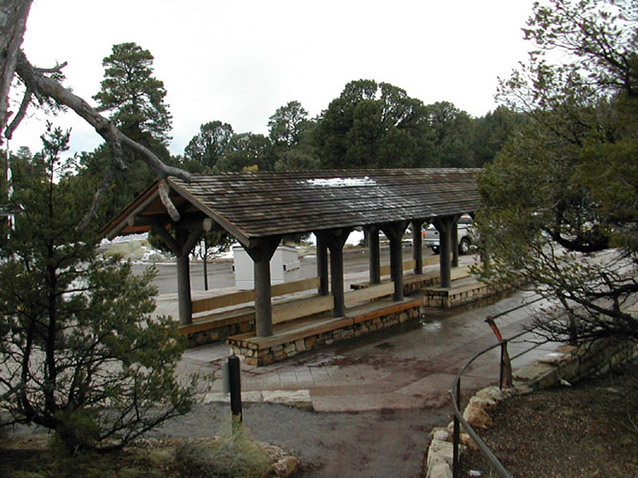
(587, 430)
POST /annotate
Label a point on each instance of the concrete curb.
(292, 398)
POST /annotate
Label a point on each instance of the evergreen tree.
(79, 351)
(373, 125)
(564, 185)
(133, 95)
(209, 145)
(135, 100)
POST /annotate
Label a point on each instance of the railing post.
(235, 387)
(457, 435)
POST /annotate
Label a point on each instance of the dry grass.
(230, 455)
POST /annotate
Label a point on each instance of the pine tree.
(79, 351)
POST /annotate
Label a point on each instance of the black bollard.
(235, 386)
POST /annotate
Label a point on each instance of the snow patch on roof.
(342, 182)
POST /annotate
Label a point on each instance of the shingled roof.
(253, 205)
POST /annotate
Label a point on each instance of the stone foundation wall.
(574, 363)
(448, 299)
(220, 333)
(254, 356)
(415, 287)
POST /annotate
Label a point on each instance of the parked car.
(465, 239)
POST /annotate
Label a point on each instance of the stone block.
(491, 393)
(439, 452)
(442, 470)
(533, 372)
(293, 398)
(441, 434)
(285, 466)
(476, 416)
(484, 403)
(468, 442)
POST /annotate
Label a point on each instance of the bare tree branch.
(26, 100)
(164, 194)
(45, 86)
(97, 198)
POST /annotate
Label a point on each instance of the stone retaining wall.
(442, 298)
(567, 363)
(220, 333)
(276, 353)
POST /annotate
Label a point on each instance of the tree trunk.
(13, 23)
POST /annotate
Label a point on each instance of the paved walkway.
(406, 367)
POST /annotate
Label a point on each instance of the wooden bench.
(369, 293)
(215, 303)
(235, 312)
(408, 268)
(228, 314)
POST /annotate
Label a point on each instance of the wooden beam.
(124, 222)
(168, 240)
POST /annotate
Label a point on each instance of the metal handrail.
(455, 395)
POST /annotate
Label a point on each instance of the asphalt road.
(220, 273)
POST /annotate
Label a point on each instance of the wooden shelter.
(258, 209)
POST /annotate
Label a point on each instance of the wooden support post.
(455, 241)
(263, 302)
(181, 245)
(374, 255)
(417, 246)
(394, 232)
(335, 239)
(336, 281)
(261, 253)
(322, 266)
(444, 226)
(184, 299)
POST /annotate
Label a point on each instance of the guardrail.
(455, 395)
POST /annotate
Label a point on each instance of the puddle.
(433, 326)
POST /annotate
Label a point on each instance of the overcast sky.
(238, 61)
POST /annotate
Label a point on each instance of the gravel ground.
(385, 443)
(588, 430)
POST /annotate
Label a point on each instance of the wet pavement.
(364, 408)
(411, 366)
